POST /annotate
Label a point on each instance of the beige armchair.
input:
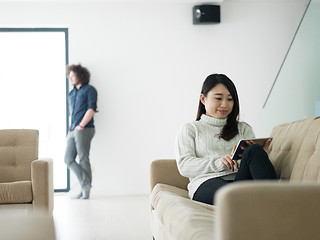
(26, 182)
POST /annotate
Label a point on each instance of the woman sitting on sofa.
(204, 147)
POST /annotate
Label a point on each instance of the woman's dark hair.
(230, 130)
(82, 73)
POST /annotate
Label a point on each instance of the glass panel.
(33, 95)
(296, 92)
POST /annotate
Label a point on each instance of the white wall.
(296, 91)
(148, 63)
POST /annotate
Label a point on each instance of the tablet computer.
(242, 143)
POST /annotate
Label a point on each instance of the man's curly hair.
(82, 73)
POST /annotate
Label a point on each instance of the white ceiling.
(149, 1)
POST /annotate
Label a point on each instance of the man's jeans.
(78, 143)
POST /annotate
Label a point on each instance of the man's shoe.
(78, 196)
(85, 193)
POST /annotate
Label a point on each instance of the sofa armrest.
(42, 184)
(268, 210)
(166, 171)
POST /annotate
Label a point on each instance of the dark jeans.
(255, 165)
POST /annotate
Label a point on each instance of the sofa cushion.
(16, 192)
(295, 150)
(18, 148)
(182, 217)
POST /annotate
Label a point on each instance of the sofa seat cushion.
(182, 217)
(16, 192)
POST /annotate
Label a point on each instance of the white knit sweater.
(199, 150)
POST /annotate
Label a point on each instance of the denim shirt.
(80, 100)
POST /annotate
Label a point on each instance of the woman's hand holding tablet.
(242, 144)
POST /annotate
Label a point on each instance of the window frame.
(66, 32)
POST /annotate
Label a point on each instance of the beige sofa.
(21, 226)
(26, 182)
(285, 209)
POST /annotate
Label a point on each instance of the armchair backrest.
(18, 148)
(295, 150)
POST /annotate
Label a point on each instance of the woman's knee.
(254, 149)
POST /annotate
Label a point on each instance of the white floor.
(102, 218)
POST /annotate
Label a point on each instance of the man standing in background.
(82, 107)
